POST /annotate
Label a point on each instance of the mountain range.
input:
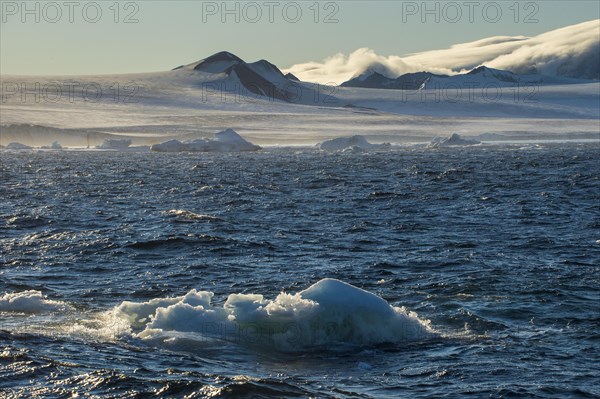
(260, 78)
(568, 55)
(265, 105)
(481, 76)
(228, 72)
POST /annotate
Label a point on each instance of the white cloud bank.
(571, 51)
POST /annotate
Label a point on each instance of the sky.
(108, 37)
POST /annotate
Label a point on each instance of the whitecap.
(188, 215)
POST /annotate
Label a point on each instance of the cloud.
(571, 51)
(337, 68)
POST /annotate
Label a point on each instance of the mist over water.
(479, 268)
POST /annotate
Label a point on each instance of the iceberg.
(328, 313)
(454, 140)
(225, 141)
(29, 302)
(55, 146)
(233, 141)
(18, 146)
(352, 143)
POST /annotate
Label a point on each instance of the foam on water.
(329, 312)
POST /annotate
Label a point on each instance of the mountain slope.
(375, 80)
(262, 79)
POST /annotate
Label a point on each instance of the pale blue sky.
(168, 34)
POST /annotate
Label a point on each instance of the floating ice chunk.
(29, 302)
(353, 143)
(361, 317)
(453, 140)
(138, 314)
(329, 312)
(225, 141)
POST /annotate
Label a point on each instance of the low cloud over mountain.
(573, 51)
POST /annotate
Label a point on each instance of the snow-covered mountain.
(481, 76)
(228, 72)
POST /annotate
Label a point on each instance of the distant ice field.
(187, 104)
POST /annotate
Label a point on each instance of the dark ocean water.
(498, 247)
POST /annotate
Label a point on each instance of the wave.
(26, 221)
(113, 384)
(183, 215)
(329, 314)
(175, 242)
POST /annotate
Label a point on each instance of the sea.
(414, 272)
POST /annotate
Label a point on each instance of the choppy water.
(496, 246)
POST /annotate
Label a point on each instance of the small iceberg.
(329, 313)
(353, 144)
(55, 146)
(114, 144)
(229, 138)
(454, 140)
(18, 146)
(225, 141)
(29, 302)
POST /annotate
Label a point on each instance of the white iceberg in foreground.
(453, 140)
(354, 143)
(329, 312)
(225, 141)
